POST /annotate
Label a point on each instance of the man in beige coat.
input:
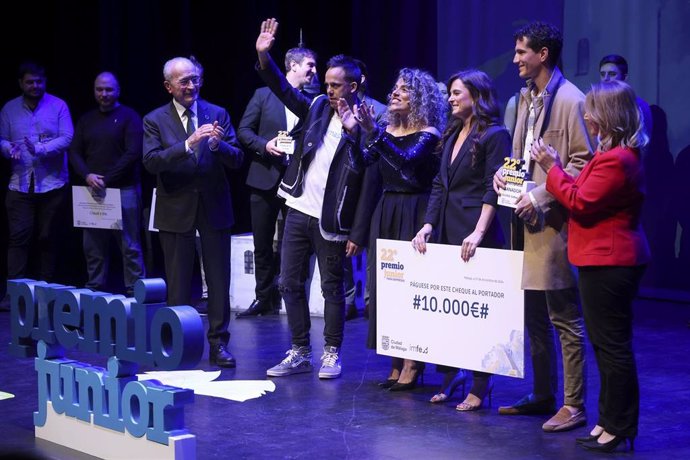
(550, 107)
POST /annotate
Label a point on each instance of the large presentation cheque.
(436, 308)
(96, 211)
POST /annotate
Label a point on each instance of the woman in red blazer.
(607, 244)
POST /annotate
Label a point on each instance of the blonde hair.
(613, 106)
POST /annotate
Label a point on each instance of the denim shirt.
(50, 128)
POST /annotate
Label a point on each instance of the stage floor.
(352, 417)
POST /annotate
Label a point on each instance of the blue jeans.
(302, 236)
(96, 243)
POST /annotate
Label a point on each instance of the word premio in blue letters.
(50, 318)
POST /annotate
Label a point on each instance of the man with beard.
(35, 132)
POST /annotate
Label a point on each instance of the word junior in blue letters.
(49, 318)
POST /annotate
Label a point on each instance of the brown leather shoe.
(564, 420)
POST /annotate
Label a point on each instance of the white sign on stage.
(435, 308)
(96, 210)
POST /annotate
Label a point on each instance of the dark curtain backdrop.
(479, 34)
(388, 35)
(77, 39)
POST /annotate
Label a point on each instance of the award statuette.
(517, 181)
(285, 142)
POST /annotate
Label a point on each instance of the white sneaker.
(298, 361)
(330, 363)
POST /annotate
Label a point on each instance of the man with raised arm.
(321, 187)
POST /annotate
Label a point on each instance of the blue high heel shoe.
(451, 382)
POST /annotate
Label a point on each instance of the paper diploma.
(91, 210)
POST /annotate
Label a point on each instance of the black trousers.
(265, 206)
(179, 250)
(607, 294)
(39, 214)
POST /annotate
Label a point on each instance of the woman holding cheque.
(462, 204)
(607, 244)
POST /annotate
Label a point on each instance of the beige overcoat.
(546, 265)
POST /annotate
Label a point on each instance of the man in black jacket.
(264, 117)
(322, 190)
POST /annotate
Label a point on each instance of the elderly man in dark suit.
(258, 130)
(186, 144)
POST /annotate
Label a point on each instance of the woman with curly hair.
(406, 148)
(463, 202)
